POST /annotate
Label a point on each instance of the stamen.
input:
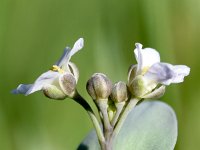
(57, 69)
(144, 70)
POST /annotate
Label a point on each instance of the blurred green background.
(33, 34)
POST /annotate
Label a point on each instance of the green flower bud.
(99, 86)
(119, 92)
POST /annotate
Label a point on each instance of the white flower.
(60, 81)
(150, 71)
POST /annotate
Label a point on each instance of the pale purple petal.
(181, 71)
(78, 45)
(68, 53)
(65, 53)
(46, 78)
(166, 74)
(22, 89)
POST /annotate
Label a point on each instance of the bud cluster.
(100, 87)
(108, 97)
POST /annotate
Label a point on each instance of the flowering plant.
(128, 119)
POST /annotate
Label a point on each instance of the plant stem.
(119, 107)
(132, 103)
(79, 99)
(103, 107)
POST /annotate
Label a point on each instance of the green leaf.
(152, 125)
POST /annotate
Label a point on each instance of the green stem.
(103, 107)
(132, 103)
(119, 107)
(79, 99)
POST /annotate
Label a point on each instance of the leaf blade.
(152, 125)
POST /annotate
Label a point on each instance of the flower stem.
(79, 99)
(102, 105)
(119, 107)
(132, 103)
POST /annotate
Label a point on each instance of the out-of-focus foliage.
(33, 34)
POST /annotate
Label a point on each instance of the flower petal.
(46, 78)
(145, 57)
(65, 53)
(166, 74)
(68, 53)
(22, 89)
(181, 71)
(78, 45)
(139, 59)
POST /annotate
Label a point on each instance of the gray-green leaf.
(152, 125)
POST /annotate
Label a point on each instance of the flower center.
(145, 69)
(56, 68)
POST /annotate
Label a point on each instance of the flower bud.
(119, 92)
(99, 86)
